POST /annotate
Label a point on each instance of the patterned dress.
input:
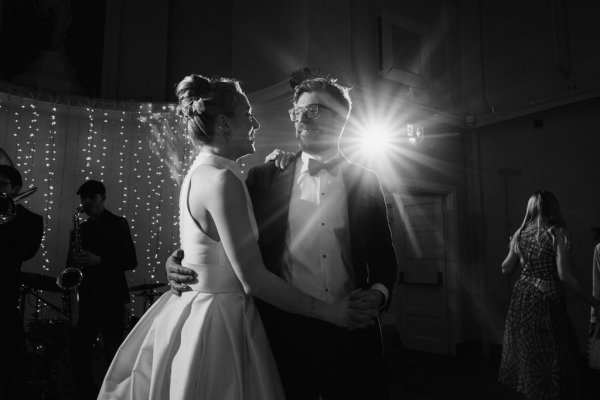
(540, 354)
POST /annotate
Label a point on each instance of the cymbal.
(146, 286)
(40, 282)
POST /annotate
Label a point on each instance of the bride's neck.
(216, 151)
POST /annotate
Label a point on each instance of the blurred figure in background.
(540, 352)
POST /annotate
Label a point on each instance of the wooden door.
(420, 300)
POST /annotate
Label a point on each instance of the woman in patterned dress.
(540, 353)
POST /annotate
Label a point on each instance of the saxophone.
(71, 277)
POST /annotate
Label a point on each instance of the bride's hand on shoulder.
(282, 158)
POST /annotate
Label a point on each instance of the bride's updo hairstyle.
(202, 100)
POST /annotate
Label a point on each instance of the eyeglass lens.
(312, 111)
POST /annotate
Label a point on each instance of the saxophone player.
(107, 252)
(20, 239)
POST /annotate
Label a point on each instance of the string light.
(28, 152)
(87, 151)
(151, 256)
(49, 160)
(122, 151)
(34, 131)
(137, 150)
(17, 135)
(101, 161)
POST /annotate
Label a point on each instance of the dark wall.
(519, 52)
(21, 29)
(85, 44)
(29, 27)
(199, 40)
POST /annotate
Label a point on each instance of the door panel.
(420, 245)
(420, 303)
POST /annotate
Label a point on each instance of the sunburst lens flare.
(376, 140)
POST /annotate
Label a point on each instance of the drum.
(130, 322)
(49, 373)
(48, 334)
(40, 282)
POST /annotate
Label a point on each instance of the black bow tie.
(315, 166)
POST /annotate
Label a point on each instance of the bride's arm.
(225, 200)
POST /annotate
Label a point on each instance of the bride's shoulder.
(207, 171)
(214, 177)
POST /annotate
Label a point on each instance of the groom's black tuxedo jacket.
(373, 256)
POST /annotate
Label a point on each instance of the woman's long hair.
(543, 211)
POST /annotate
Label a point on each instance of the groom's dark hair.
(330, 86)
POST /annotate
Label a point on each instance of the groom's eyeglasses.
(311, 111)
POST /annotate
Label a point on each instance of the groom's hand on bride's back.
(177, 275)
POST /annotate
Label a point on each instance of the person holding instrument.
(20, 239)
(107, 251)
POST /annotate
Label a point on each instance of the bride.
(210, 342)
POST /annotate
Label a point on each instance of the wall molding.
(549, 103)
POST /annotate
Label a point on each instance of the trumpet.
(8, 204)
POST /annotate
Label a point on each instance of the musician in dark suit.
(20, 239)
(108, 251)
(323, 227)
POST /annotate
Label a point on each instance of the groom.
(322, 227)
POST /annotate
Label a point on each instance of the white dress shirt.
(317, 255)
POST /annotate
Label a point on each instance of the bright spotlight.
(376, 139)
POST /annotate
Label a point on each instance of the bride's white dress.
(207, 344)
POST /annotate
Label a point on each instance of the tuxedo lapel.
(356, 223)
(281, 192)
(275, 206)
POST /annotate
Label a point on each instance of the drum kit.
(47, 338)
(148, 292)
(37, 285)
(49, 364)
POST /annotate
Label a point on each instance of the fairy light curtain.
(136, 150)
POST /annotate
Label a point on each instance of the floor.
(423, 376)
(414, 376)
